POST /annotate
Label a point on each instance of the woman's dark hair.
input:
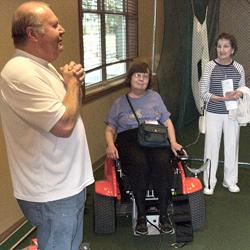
(228, 37)
(138, 68)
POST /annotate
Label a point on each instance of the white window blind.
(109, 38)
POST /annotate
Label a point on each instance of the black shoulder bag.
(150, 135)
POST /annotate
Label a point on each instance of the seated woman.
(142, 164)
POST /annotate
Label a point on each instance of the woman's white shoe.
(233, 188)
(208, 191)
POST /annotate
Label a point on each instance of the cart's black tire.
(198, 209)
(104, 214)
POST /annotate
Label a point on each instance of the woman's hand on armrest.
(112, 152)
(111, 149)
(175, 146)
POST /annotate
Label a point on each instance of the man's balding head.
(27, 14)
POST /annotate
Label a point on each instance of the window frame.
(108, 85)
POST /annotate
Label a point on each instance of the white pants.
(215, 125)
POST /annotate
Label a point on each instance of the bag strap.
(127, 97)
(132, 109)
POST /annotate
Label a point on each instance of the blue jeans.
(59, 223)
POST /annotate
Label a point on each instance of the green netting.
(174, 70)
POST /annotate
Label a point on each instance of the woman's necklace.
(223, 63)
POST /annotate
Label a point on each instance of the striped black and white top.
(211, 83)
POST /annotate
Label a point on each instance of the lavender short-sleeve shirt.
(148, 107)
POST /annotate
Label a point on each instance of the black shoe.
(165, 225)
(141, 226)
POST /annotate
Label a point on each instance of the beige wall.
(94, 112)
(235, 19)
(146, 13)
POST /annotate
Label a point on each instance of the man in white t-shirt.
(45, 137)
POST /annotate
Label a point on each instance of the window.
(109, 39)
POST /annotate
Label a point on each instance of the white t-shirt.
(43, 167)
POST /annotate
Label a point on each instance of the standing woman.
(140, 164)
(218, 73)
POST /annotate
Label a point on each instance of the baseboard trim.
(99, 163)
(6, 234)
(15, 234)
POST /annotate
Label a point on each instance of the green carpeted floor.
(227, 215)
(227, 224)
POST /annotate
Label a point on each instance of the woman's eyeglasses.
(144, 76)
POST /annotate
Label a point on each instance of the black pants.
(144, 165)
